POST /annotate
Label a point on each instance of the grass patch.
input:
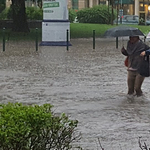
(144, 29)
(85, 30)
(13, 36)
(77, 30)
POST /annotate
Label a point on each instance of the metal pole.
(67, 39)
(36, 40)
(93, 39)
(116, 42)
(144, 38)
(3, 39)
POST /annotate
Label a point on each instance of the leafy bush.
(34, 13)
(6, 14)
(37, 14)
(31, 12)
(34, 128)
(2, 7)
(72, 15)
(98, 14)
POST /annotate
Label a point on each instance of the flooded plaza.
(88, 85)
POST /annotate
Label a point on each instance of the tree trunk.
(112, 12)
(19, 16)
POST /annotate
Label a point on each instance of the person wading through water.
(135, 52)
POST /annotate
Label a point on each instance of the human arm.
(147, 52)
(124, 51)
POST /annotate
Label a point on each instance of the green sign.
(49, 5)
(124, 2)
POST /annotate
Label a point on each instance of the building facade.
(79, 4)
(129, 7)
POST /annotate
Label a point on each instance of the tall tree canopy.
(19, 16)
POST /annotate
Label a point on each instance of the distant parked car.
(147, 22)
(130, 19)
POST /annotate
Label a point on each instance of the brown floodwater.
(88, 85)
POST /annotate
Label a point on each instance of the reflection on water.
(88, 85)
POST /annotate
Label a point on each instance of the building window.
(142, 6)
(74, 4)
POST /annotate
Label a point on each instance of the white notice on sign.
(55, 31)
(55, 10)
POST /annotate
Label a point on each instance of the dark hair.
(135, 36)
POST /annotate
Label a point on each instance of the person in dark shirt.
(135, 50)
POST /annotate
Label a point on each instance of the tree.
(112, 10)
(19, 16)
(2, 5)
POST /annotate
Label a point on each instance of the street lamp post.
(148, 14)
(121, 12)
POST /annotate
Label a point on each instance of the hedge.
(34, 127)
(98, 14)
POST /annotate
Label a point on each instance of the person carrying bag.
(135, 54)
(144, 69)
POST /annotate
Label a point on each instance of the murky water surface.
(88, 85)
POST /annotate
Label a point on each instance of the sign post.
(55, 23)
(121, 15)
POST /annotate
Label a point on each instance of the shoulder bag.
(144, 69)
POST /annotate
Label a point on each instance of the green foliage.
(72, 15)
(34, 128)
(98, 14)
(34, 13)
(2, 5)
(6, 14)
(31, 12)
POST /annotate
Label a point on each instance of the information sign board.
(55, 10)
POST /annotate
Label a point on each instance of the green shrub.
(98, 14)
(31, 12)
(38, 14)
(6, 14)
(34, 128)
(72, 15)
(34, 13)
(2, 7)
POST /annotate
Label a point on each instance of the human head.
(134, 39)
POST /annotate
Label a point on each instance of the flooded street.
(88, 85)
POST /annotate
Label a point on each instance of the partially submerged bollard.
(67, 42)
(36, 39)
(93, 39)
(116, 42)
(3, 39)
